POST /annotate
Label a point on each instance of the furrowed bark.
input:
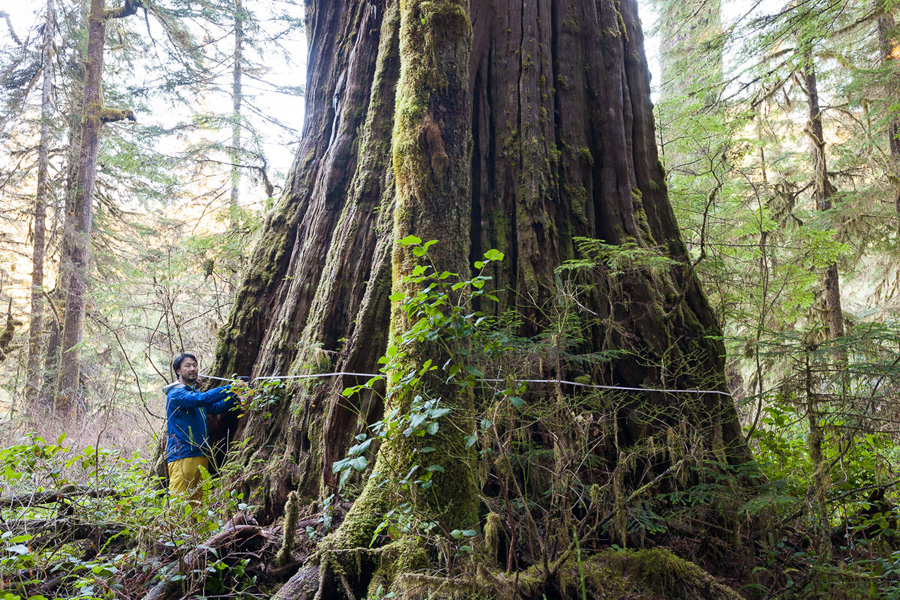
(562, 145)
(431, 163)
(80, 218)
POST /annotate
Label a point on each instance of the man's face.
(188, 371)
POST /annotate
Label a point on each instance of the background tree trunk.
(35, 329)
(823, 193)
(886, 31)
(237, 98)
(79, 222)
(562, 146)
(81, 217)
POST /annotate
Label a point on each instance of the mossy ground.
(655, 574)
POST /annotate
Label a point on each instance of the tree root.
(640, 575)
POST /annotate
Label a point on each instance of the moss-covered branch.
(128, 8)
(111, 115)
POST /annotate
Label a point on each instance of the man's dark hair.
(176, 364)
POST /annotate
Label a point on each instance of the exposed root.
(639, 575)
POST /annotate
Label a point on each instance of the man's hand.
(241, 389)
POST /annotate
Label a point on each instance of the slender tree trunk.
(81, 217)
(94, 114)
(887, 31)
(33, 378)
(237, 100)
(823, 193)
(57, 296)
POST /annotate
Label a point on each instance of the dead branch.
(12, 32)
(240, 537)
(39, 498)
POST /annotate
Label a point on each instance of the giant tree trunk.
(556, 109)
(562, 145)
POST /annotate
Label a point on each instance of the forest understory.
(517, 323)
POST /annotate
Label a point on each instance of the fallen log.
(240, 538)
(56, 531)
(50, 497)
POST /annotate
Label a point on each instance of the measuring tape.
(557, 381)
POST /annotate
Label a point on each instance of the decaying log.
(49, 497)
(240, 538)
(64, 529)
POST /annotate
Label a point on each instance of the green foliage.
(263, 397)
(438, 314)
(135, 516)
(617, 259)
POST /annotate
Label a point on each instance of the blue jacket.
(186, 410)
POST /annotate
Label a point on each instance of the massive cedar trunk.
(562, 145)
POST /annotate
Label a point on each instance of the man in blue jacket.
(187, 444)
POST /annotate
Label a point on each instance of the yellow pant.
(185, 477)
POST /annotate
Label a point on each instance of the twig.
(635, 494)
(12, 32)
(37, 498)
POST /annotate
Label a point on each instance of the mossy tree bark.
(823, 193)
(552, 138)
(79, 219)
(35, 327)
